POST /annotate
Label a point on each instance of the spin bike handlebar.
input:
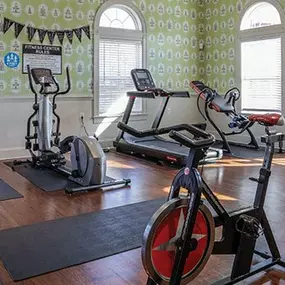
(201, 138)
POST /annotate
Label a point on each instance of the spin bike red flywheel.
(161, 234)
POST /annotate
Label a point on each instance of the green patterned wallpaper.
(175, 28)
(174, 31)
(221, 20)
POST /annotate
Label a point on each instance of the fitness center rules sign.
(42, 56)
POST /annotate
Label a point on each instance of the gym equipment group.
(180, 236)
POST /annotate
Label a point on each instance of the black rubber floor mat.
(7, 192)
(241, 151)
(46, 179)
(32, 250)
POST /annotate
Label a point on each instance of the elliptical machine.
(88, 160)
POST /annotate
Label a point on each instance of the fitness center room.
(142, 142)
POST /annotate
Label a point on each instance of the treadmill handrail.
(155, 132)
(155, 92)
(141, 94)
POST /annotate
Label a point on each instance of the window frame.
(112, 33)
(261, 33)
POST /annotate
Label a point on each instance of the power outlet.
(81, 117)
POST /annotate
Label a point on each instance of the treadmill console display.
(142, 79)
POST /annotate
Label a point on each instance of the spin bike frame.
(233, 241)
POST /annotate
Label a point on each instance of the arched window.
(119, 47)
(261, 34)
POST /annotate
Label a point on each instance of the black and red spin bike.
(180, 236)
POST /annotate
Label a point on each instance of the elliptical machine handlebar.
(57, 133)
(31, 83)
(67, 89)
(201, 138)
(68, 83)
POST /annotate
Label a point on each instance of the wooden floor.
(149, 181)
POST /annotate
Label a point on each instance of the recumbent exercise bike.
(88, 160)
(180, 236)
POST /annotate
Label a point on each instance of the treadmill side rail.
(141, 94)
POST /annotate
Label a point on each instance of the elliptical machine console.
(88, 160)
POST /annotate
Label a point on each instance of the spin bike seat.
(269, 119)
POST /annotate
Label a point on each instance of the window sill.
(115, 118)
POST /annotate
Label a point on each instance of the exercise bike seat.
(218, 103)
(269, 119)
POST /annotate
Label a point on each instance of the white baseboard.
(107, 143)
(19, 152)
(11, 153)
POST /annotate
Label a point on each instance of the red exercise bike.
(180, 236)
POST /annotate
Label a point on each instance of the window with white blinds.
(261, 68)
(261, 32)
(119, 44)
(116, 60)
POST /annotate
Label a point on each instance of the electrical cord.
(82, 126)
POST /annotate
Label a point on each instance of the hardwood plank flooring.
(228, 178)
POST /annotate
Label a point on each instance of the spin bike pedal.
(257, 180)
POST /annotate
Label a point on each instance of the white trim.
(135, 117)
(15, 152)
(274, 3)
(125, 3)
(256, 34)
(266, 32)
(113, 33)
(29, 98)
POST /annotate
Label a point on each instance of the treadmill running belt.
(157, 143)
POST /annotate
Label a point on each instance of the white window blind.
(261, 68)
(116, 60)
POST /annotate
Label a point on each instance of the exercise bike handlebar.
(201, 138)
(153, 132)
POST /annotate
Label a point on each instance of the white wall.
(14, 113)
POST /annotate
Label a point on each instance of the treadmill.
(150, 143)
